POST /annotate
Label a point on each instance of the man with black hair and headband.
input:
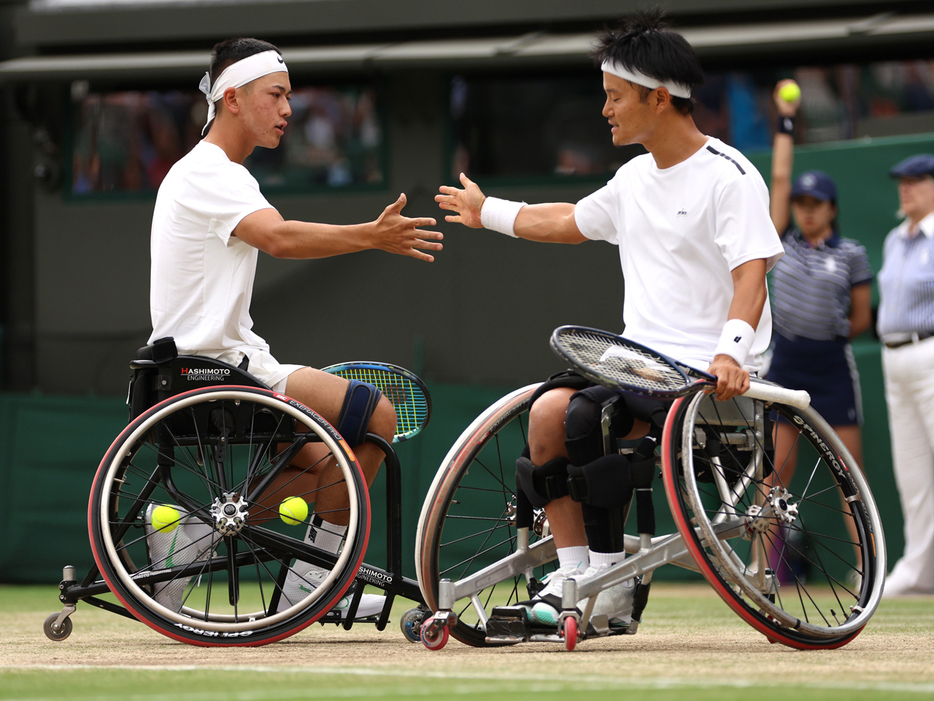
(209, 224)
(691, 222)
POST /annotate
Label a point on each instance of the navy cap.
(914, 167)
(815, 184)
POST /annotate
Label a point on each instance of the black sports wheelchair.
(204, 441)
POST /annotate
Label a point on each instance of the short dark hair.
(646, 43)
(230, 51)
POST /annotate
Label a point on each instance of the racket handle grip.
(797, 398)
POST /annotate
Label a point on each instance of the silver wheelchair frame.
(726, 530)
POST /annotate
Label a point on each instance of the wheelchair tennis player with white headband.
(209, 224)
(691, 222)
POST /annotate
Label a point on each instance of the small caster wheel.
(434, 640)
(570, 633)
(59, 634)
(411, 624)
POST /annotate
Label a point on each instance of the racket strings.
(621, 363)
(406, 397)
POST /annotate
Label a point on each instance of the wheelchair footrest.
(336, 618)
(508, 625)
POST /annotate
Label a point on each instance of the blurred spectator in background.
(906, 327)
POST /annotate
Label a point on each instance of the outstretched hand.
(467, 203)
(402, 235)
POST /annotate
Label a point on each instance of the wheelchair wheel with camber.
(468, 531)
(803, 562)
(238, 574)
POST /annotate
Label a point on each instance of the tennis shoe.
(547, 602)
(191, 541)
(615, 602)
(298, 586)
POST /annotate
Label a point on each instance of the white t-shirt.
(680, 232)
(202, 276)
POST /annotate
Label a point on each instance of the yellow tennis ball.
(790, 92)
(293, 510)
(165, 519)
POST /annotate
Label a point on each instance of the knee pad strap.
(545, 483)
(642, 463)
(605, 483)
(359, 404)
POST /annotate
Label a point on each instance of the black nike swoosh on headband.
(279, 59)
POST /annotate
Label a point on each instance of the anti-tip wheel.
(49, 628)
(570, 633)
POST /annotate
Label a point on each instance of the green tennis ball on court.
(790, 92)
(293, 510)
(165, 519)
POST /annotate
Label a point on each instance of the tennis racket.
(406, 391)
(614, 361)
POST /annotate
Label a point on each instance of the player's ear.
(231, 100)
(662, 97)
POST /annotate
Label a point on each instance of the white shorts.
(262, 365)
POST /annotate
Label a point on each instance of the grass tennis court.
(690, 646)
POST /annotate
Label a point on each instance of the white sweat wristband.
(500, 215)
(735, 340)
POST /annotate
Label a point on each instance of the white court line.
(530, 683)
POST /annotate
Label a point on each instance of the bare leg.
(325, 393)
(546, 442)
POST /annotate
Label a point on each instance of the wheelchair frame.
(169, 395)
(726, 527)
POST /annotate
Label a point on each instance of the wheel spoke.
(201, 452)
(474, 522)
(820, 551)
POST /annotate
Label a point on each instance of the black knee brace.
(608, 481)
(545, 483)
(583, 426)
(604, 528)
(605, 482)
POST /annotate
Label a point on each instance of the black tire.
(216, 445)
(411, 623)
(468, 520)
(709, 451)
(57, 635)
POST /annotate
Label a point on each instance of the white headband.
(238, 74)
(620, 71)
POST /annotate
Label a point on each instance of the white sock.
(327, 536)
(575, 556)
(330, 537)
(597, 559)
